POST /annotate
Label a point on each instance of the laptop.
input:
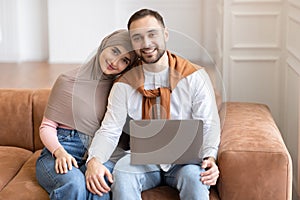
(166, 141)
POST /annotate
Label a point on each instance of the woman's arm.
(48, 134)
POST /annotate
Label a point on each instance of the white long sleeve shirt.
(193, 98)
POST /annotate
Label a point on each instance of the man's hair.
(143, 13)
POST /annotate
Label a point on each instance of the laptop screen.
(166, 141)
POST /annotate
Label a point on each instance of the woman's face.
(114, 59)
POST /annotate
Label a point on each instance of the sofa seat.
(12, 159)
(168, 193)
(24, 185)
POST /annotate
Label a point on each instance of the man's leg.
(186, 178)
(131, 180)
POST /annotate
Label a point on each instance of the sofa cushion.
(168, 193)
(12, 159)
(243, 140)
(24, 184)
(16, 118)
(39, 101)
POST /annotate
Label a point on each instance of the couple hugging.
(132, 74)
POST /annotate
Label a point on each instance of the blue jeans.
(131, 180)
(71, 185)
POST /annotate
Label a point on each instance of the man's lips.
(148, 51)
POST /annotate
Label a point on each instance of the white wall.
(33, 30)
(9, 45)
(254, 52)
(23, 30)
(77, 27)
(67, 31)
(291, 111)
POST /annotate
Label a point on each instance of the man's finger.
(109, 176)
(104, 186)
(97, 187)
(94, 189)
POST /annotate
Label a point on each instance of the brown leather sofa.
(253, 159)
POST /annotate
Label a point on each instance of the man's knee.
(190, 174)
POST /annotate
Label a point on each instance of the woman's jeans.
(131, 180)
(71, 185)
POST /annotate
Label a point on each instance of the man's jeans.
(131, 180)
(71, 185)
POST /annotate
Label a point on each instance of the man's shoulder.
(133, 77)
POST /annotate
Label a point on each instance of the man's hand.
(63, 161)
(94, 176)
(210, 176)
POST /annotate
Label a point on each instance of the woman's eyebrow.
(127, 59)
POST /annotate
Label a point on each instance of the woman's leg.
(59, 186)
(131, 180)
(71, 185)
(186, 178)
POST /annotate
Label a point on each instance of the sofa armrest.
(253, 160)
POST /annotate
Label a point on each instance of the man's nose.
(146, 42)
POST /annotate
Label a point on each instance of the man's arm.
(205, 108)
(106, 140)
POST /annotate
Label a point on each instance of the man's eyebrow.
(135, 34)
(152, 30)
(149, 31)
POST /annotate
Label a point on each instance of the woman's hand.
(94, 176)
(210, 176)
(63, 161)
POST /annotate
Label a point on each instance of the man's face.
(148, 38)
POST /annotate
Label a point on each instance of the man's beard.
(159, 54)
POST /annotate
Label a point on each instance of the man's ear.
(166, 33)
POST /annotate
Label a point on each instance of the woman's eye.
(125, 61)
(115, 52)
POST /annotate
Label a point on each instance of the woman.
(75, 109)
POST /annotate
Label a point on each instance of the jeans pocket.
(64, 135)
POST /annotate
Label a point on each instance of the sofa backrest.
(39, 102)
(16, 118)
(21, 113)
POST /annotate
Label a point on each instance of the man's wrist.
(92, 160)
(210, 159)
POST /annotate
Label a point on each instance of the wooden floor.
(31, 74)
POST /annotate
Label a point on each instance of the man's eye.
(136, 39)
(151, 35)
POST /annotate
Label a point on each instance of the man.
(162, 86)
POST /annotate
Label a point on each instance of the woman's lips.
(110, 67)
